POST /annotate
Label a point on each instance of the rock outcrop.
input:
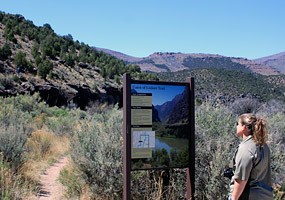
(77, 87)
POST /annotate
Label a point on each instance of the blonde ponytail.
(256, 126)
(260, 132)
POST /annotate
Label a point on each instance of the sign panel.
(141, 116)
(158, 129)
(140, 147)
(159, 125)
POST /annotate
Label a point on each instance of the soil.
(51, 188)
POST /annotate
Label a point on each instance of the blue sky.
(243, 28)
(160, 93)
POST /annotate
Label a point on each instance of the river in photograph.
(168, 143)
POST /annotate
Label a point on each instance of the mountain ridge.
(68, 73)
(276, 60)
(174, 61)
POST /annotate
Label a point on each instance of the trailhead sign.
(158, 129)
(159, 125)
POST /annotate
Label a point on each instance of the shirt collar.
(247, 139)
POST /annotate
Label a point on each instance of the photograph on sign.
(159, 125)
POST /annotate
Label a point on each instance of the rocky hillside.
(64, 72)
(64, 85)
(172, 62)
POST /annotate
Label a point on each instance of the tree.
(45, 68)
(36, 50)
(69, 59)
(69, 39)
(1, 16)
(9, 35)
(21, 60)
(5, 52)
(48, 28)
(83, 54)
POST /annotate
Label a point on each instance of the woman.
(252, 175)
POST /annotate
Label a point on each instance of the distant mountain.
(276, 61)
(180, 112)
(121, 56)
(172, 62)
(155, 117)
(165, 109)
(174, 111)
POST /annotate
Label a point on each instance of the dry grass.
(6, 178)
(39, 120)
(10, 183)
(44, 148)
(74, 183)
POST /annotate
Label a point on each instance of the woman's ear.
(244, 130)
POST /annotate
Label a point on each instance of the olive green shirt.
(252, 163)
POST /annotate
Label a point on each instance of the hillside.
(276, 61)
(228, 85)
(68, 73)
(172, 62)
(64, 72)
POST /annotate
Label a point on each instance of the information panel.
(159, 125)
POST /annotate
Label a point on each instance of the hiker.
(19, 71)
(252, 174)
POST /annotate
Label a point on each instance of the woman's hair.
(256, 127)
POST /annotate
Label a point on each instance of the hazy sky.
(241, 28)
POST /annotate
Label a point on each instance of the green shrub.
(60, 112)
(6, 82)
(13, 135)
(215, 141)
(16, 117)
(5, 52)
(45, 68)
(276, 142)
(31, 105)
(16, 79)
(61, 125)
(72, 180)
(21, 61)
(245, 105)
(97, 151)
(62, 121)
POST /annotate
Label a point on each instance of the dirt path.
(51, 188)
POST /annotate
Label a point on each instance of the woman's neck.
(244, 136)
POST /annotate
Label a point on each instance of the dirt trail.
(51, 188)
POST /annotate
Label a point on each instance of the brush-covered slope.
(63, 71)
(228, 85)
